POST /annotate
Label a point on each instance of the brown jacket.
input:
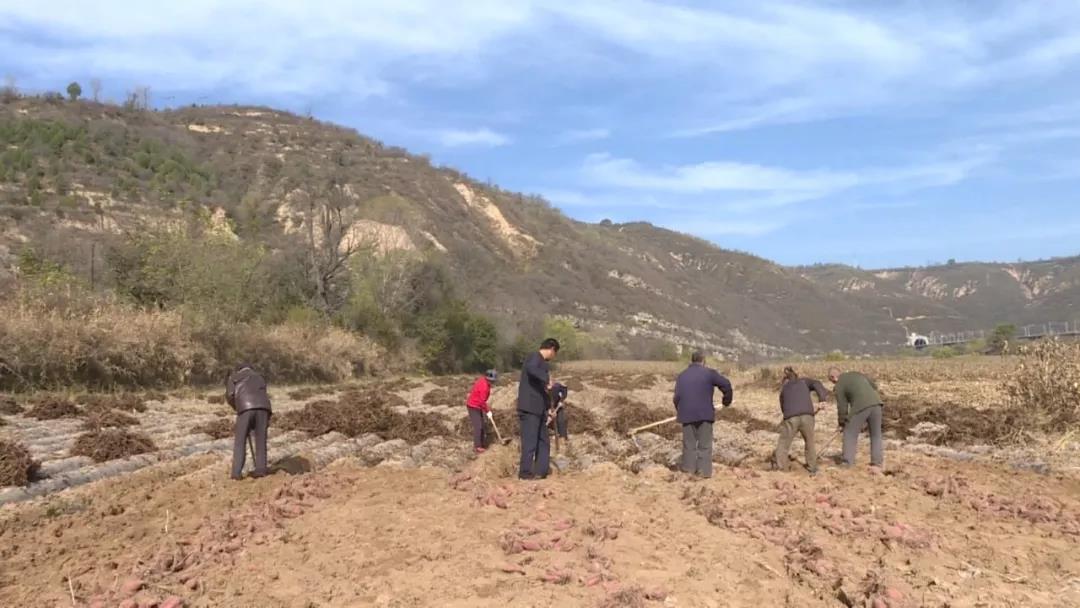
(246, 390)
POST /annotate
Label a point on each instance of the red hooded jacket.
(478, 396)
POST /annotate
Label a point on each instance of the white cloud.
(574, 136)
(453, 138)
(745, 187)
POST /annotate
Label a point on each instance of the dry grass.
(443, 396)
(53, 408)
(310, 392)
(628, 414)
(17, 468)
(219, 428)
(105, 345)
(103, 445)
(1045, 388)
(9, 406)
(357, 413)
(105, 418)
(129, 402)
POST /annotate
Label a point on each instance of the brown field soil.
(959, 526)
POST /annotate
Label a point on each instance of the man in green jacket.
(858, 404)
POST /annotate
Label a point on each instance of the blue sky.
(869, 133)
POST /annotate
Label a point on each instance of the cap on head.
(697, 356)
(242, 365)
(492, 375)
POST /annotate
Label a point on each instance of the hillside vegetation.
(227, 220)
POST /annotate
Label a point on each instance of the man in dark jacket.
(245, 391)
(532, 405)
(798, 409)
(695, 411)
(858, 404)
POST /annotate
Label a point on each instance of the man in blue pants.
(532, 406)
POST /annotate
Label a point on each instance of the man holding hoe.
(695, 411)
(532, 405)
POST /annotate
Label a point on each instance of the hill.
(74, 176)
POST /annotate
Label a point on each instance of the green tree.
(74, 91)
(563, 330)
(1000, 338)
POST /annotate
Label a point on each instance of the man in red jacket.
(479, 408)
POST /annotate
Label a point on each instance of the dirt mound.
(735, 415)
(110, 444)
(357, 413)
(128, 402)
(443, 396)
(906, 416)
(9, 406)
(303, 394)
(215, 399)
(53, 408)
(627, 414)
(104, 418)
(507, 420)
(769, 378)
(624, 382)
(581, 421)
(219, 428)
(17, 468)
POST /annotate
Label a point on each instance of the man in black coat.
(245, 391)
(532, 406)
(798, 410)
(696, 412)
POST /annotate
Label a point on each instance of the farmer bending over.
(695, 411)
(245, 391)
(558, 411)
(798, 409)
(858, 405)
(478, 407)
(533, 410)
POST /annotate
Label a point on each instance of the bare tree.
(9, 92)
(95, 88)
(142, 93)
(330, 242)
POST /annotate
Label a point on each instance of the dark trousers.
(561, 423)
(251, 422)
(476, 418)
(697, 448)
(796, 425)
(869, 417)
(535, 446)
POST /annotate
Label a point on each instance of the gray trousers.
(697, 448)
(870, 416)
(253, 422)
(801, 425)
(476, 419)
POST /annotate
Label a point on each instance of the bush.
(945, 352)
(1046, 386)
(17, 468)
(569, 337)
(999, 340)
(835, 356)
(454, 340)
(109, 345)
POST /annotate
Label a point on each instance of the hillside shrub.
(1045, 388)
